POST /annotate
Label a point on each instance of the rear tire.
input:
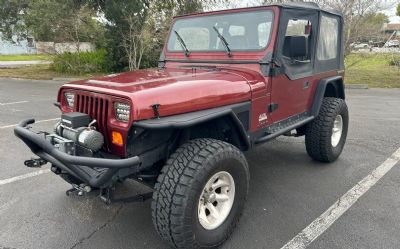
(202, 174)
(326, 134)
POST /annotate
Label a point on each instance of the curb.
(31, 80)
(356, 86)
(66, 79)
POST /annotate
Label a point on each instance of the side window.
(297, 41)
(327, 48)
(297, 27)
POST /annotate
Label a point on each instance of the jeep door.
(292, 73)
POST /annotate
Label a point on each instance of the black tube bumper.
(75, 165)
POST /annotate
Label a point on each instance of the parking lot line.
(40, 121)
(323, 222)
(21, 177)
(13, 103)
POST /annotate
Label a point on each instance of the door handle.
(306, 85)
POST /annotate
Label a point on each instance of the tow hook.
(35, 163)
(78, 189)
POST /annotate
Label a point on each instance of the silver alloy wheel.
(216, 200)
(337, 130)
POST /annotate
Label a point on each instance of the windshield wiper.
(183, 44)
(222, 38)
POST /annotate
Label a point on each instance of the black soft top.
(292, 5)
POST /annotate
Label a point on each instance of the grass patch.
(25, 57)
(372, 69)
(38, 72)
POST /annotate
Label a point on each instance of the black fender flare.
(336, 82)
(186, 120)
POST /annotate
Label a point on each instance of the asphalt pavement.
(288, 190)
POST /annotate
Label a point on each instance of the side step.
(285, 126)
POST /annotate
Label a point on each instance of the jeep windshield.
(245, 31)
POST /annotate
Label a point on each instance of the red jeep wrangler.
(227, 81)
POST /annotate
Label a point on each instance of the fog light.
(117, 138)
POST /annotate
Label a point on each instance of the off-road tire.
(319, 131)
(180, 184)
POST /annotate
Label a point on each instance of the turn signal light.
(117, 138)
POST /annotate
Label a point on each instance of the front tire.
(200, 194)
(326, 134)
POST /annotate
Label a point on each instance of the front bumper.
(77, 166)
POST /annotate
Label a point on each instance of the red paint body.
(180, 90)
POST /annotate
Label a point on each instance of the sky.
(391, 12)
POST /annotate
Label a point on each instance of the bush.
(394, 61)
(81, 63)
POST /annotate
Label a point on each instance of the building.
(26, 46)
(391, 28)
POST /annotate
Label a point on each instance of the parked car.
(393, 43)
(227, 81)
(361, 46)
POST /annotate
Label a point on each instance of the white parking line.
(40, 121)
(13, 103)
(323, 222)
(21, 177)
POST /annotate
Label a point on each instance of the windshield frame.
(224, 12)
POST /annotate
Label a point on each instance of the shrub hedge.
(81, 63)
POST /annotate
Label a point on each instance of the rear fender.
(328, 87)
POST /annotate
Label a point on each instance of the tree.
(11, 12)
(371, 27)
(136, 30)
(61, 21)
(398, 10)
(126, 34)
(49, 20)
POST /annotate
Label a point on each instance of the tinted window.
(242, 31)
(327, 48)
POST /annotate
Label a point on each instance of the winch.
(79, 128)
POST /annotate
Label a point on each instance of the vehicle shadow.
(281, 177)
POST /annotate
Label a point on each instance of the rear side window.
(327, 48)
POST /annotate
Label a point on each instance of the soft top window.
(243, 31)
(327, 48)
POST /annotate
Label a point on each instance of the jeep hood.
(176, 90)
